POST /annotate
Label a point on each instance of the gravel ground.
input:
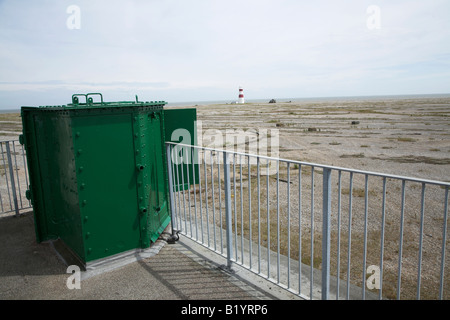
(405, 137)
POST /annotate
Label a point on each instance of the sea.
(308, 99)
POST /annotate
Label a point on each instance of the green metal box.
(98, 176)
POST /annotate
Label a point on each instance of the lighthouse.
(241, 95)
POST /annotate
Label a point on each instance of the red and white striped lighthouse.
(241, 95)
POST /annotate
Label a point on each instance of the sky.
(203, 50)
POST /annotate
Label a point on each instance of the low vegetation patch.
(358, 155)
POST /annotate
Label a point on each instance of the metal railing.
(13, 178)
(349, 234)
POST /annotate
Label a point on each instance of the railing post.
(226, 166)
(170, 178)
(11, 174)
(326, 218)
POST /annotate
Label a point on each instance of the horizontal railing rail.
(13, 178)
(322, 232)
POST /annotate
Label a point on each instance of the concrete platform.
(181, 271)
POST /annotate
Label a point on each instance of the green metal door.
(180, 126)
(104, 156)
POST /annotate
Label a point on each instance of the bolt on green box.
(98, 175)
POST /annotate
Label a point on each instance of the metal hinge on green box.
(98, 176)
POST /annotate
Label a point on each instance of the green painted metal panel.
(181, 127)
(52, 178)
(29, 141)
(155, 175)
(106, 183)
(152, 175)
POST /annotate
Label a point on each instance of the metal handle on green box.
(91, 94)
(89, 100)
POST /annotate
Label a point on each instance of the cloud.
(203, 50)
